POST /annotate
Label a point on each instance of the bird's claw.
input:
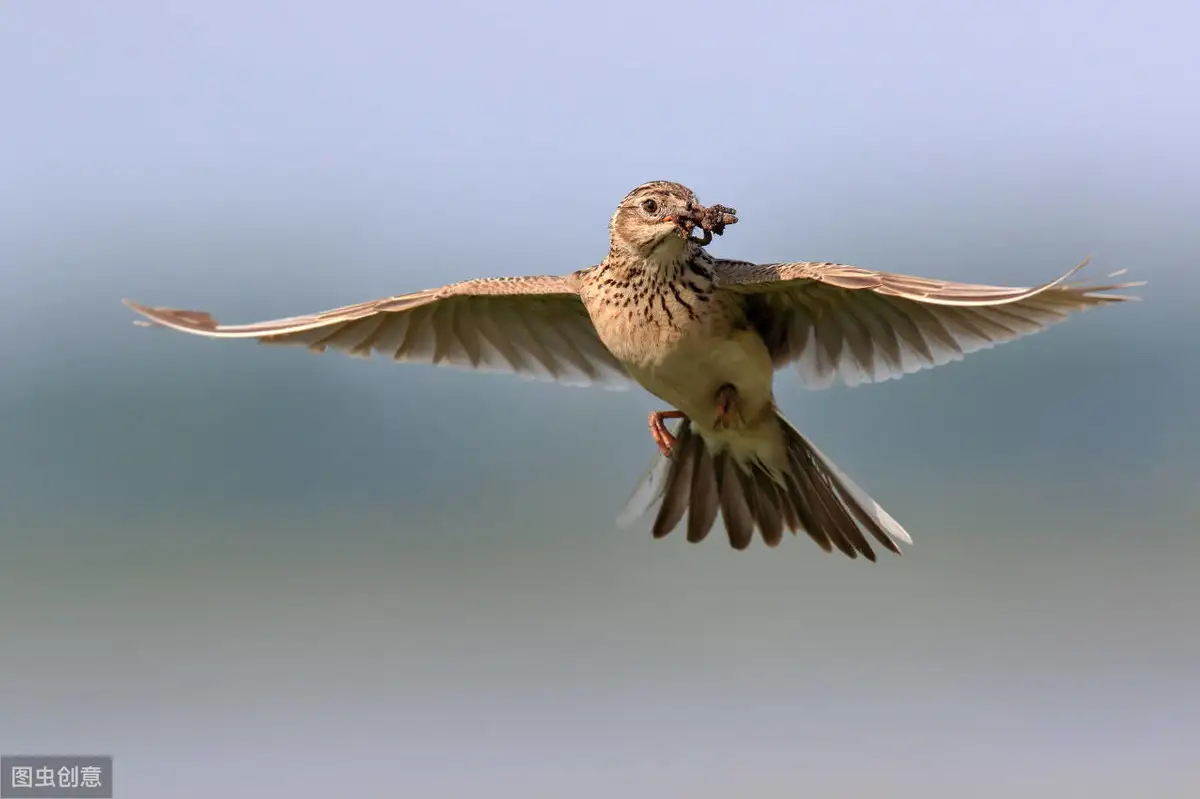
(665, 441)
(659, 432)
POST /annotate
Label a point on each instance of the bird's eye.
(651, 206)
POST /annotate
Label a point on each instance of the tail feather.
(791, 516)
(768, 508)
(823, 513)
(702, 513)
(810, 494)
(736, 495)
(678, 489)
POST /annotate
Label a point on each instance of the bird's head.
(656, 220)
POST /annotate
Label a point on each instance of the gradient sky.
(247, 571)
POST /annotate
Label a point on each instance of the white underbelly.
(689, 374)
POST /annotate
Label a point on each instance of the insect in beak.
(711, 219)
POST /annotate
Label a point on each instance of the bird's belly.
(688, 372)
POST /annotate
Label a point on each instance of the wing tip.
(141, 309)
(191, 321)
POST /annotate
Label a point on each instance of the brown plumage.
(706, 336)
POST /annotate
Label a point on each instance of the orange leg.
(659, 432)
(725, 397)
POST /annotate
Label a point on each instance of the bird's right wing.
(534, 326)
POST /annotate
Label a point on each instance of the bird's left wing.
(834, 320)
(534, 326)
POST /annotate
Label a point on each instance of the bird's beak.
(687, 219)
(682, 223)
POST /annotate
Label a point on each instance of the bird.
(706, 336)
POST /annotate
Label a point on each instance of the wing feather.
(534, 326)
(836, 321)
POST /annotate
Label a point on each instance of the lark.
(706, 336)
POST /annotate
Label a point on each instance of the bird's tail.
(806, 492)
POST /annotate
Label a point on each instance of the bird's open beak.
(684, 221)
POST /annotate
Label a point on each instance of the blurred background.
(249, 571)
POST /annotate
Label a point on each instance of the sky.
(252, 571)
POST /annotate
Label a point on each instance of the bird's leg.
(726, 395)
(659, 432)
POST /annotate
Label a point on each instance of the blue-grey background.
(248, 571)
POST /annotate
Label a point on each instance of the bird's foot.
(713, 219)
(659, 432)
(726, 395)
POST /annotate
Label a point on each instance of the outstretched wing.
(534, 326)
(834, 320)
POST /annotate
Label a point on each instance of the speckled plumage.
(696, 331)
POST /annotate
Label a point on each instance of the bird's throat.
(670, 252)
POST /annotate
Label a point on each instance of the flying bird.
(705, 335)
